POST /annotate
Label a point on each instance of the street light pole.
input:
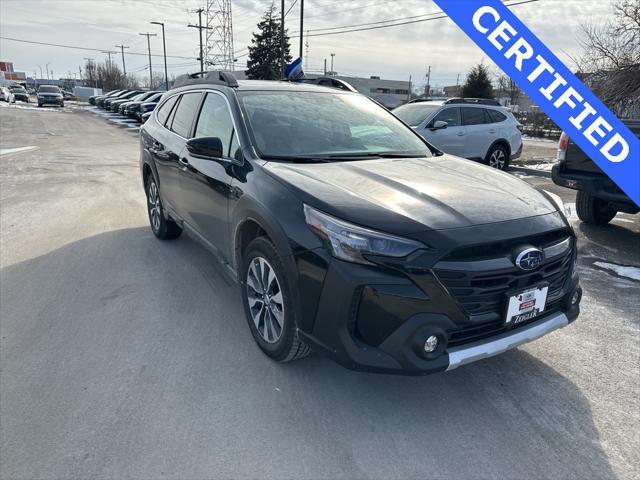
(47, 69)
(149, 48)
(164, 47)
(282, 39)
(331, 72)
(301, 26)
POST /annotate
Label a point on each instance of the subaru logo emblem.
(529, 259)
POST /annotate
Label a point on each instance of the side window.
(496, 116)
(474, 116)
(185, 112)
(165, 109)
(449, 115)
(215, 121)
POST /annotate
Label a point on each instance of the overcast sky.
(392, 53)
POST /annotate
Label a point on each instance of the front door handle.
(184, 161)
(461, 134)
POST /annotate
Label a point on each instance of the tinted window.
(496, 116)
(414, 113)
(215, 120)
(165, 109)
(449, 115)
(474, 116)
(293, 123)
(185, 111)
(49, 90)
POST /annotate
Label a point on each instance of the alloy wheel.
(265, 299)
(154, 206)
(497, 159)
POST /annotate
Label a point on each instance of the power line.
(376, 27)
(87, 48)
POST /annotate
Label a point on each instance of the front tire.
(164, 229)
(498, 157)
(594, 210)
(269, 304)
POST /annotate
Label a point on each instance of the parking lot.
(126, 357)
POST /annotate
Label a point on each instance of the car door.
(206, 183)
(480, 134)
(450, 139)
(168, 142)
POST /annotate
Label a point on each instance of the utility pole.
(427, 92)
(200, 28)
(47, 69)
(457, 84)
(282, 39)
(80, 75)
(301, 26)
(164, 47)
(325, 67)
(409, 94)
(306, 54)
(40, 70)
(148, 35)
(332, 72)
(90, 67)
(124, 68)
(109, 54)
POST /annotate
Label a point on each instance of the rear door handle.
(492, 131)
(461, 134)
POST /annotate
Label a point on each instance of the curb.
(530, 171)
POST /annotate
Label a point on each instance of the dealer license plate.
(526, 305)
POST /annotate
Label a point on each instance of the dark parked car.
(19, 93)
(598, 199)
(145, 109)
(50, 95)
(121, 105)
(100, 101)
(348, 233)
(126, 96)
(133, 109)
(94, 98)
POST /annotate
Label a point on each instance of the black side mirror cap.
(206, 147)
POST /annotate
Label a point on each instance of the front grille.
(482, 294)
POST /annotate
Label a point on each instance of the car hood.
(411, 195)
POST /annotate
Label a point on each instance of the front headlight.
(562, 208)
(350, 242)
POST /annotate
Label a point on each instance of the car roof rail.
(217, 77)
(331, 82)
(477, 101)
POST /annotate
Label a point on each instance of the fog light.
(575, 298)
(431, 344)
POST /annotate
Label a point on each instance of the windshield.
(49, 90)
(327, 125)
(140, 97)
(414, 113)
(16, 88)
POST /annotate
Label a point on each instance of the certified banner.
(552, 86)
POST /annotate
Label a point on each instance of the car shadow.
(126, 356)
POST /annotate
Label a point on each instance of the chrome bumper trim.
(464, 354)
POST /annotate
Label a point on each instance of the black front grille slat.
(484, 293)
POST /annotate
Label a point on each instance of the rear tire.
(498, 157)
(164, 229)
(269, 304)
(594, 210)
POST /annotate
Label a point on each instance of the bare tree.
(610, 62)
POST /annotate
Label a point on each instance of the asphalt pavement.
(126, 357)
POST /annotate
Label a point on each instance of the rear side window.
(496, 116)
(474, 116)
(449, 115)
(185, 111)
(165, 109)
(215, 121)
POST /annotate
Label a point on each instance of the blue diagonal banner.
(552, 86)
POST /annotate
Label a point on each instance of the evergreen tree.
(264, 61)
(478, 84)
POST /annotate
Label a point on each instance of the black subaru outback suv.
(351, 235)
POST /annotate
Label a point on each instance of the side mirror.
(439, 125)
(206, 147)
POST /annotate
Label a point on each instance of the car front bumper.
(377, 320)
(51, 101)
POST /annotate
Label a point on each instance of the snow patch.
(628, 272)
(7, 151)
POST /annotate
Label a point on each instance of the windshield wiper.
(361, 155)
(294, 159)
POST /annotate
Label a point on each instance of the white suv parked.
(476, 129)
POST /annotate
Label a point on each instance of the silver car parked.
(476, 129)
